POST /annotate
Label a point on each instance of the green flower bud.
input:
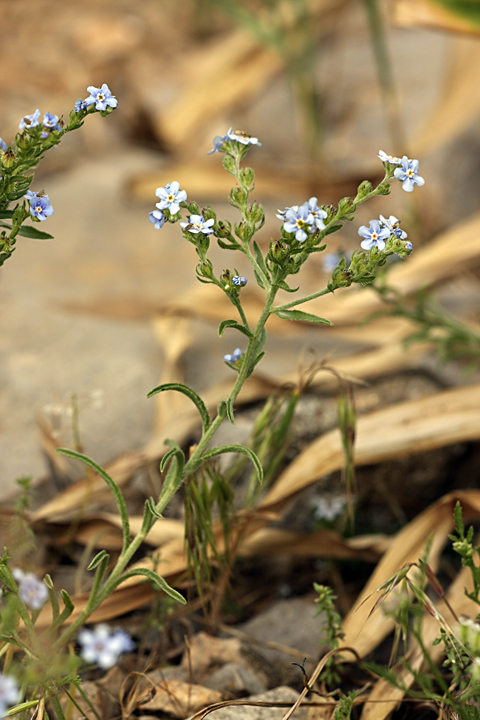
(247, 176)
(364, 189)
(222, 230)
(278, 251)
(238, 195)
(345, 205)
(8, 159)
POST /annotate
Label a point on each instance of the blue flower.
(239, 281)
(39, 205)
(170, 197)
(104, 646)
(197, 224)
(30, 121)
(318, 214)
(299, 221)
(157, 218)
(393, 225)
(3, 145)
(32, 591)
(9, 693)
(237, 354)
(102, 97)
(374, 235)
(51, 122)
(80, 105)
(282, 214)
(388, 158)
(408, 174)
(218, 141)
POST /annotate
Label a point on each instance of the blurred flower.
(9, 693)
(3, 145)
(299, 221)
(393, 225)
(33, 592)
(51, 122)
(328, 508)
(374, 235)
(29, 121)
(102, 97)
(242, 137)
(236, 135)
(39, 205)
(408, 174)
(388, 158)
(197, 224)
(170, 197)
(239, 281)
(318, 214)
(237, 354)
(157, 218)
(104, 646)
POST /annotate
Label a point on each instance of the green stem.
(305, 299)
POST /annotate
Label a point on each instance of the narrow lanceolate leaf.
(6, 214)
(98, 559)
(236, 449)
(158, 582)
(34, 234)
(177, 452)
(301, 316)
(196, 399)
(235, 325)
(116, 492)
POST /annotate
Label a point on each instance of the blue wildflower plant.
(19, 159)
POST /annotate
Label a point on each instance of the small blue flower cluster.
(50, 123)
(40, 207)
(407, 173)
(379, 231)
(239, 281)
(237, 354)
(303, 220)
(100, 97)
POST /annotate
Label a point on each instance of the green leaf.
(233, 324)
(98, 559)
(229, 409)
(196, 399)
(152, 508)
(6, 214)
(159, 582)
(31, 232)
(175, 451)
(116, 492)
(236, 449)
(301, 316)
(259, 258)
(283, 286)
(333, 229)
(67, 600)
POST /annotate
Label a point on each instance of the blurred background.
(92, 319)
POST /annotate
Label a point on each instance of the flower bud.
(364, 189)
(222, 230)
(8, 159)
(238, 195)
(278, 251)
(345, 205)
(247, 176)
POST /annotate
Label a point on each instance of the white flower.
(104, 646)
(32, 591)
(9, 693)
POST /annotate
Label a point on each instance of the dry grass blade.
(429, 14)
(384, 698)
(433, 421)
(459, 103)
